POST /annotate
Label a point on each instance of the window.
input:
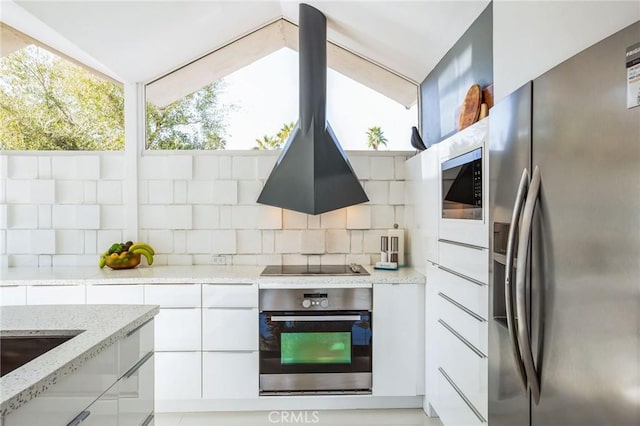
(256, 107)
(50, 103)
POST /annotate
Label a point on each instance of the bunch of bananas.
(126, 255)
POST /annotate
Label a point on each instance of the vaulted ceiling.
(139, 41)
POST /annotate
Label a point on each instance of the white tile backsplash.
(69, 241)
(223, 242)
(106, 238)
(112, 217)
(288, 241)
(225, 192)
(248, 191)
(18, 191)
(338, 241)
(90, 192)
(44, 167)
(377, 191)
(22, 216)
(42, 192)
(87, 167)
(294, 220)
(109, 192)
(160, 192)
(336, 219)
(206, 167)
(23, 167)
(244, 217)
(63, 209)
(199, 192)
(161, 240)
(382, 217)
(248, 241)
(382, 168)
(198, 242)
(69, 192)
(206, 217)
(269, 217)
(244, 167)
(359, 217)
(313, 242)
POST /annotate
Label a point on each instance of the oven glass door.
(315, 342)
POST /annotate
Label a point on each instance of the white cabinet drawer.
(178, 329)
(230, 375)
(56, 295)
(465, 366)
(452, 408)
(115, 294)
(469, 324)
(230, 329)
(472, 295)
(13, 296)
(136, 394)
(469, 261)
(178, 375)
(137, 344)
(103, 411)
(230, 296)
(172, 295)
(72, 394)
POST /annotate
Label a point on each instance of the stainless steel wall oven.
(315, 341)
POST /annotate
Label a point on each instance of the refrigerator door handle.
(509, 293)
(524, 339)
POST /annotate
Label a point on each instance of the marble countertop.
(197, 274)
(101, 326)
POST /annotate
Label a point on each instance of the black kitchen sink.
(17, 350)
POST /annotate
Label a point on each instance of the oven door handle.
(320, 318)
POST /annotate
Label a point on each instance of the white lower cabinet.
(136, 394)
(102, 412)
(178, 329)
(453, 407)
(97, 393)
(230, 329)
(56, 295)
(13, 295)
(178, 375)
(229, 375)
(398, 370)
(129, 294)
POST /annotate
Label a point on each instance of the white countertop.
(197, 274)
(102, 325)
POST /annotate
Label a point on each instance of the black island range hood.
(312, 174)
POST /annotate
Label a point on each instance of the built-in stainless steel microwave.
(462, 186)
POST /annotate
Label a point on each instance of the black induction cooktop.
(304, 270)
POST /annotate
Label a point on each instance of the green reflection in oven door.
(315, 348)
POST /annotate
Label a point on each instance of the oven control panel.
(315, 300)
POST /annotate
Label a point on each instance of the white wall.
(64, 209)
(531, 37)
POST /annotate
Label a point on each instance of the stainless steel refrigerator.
(564, 337)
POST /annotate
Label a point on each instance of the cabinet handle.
(462, 339)
(148, 420)
(457, 243)
(462, 395)
(130, 372)
(79, 418)
(130, 333)
(462, 307)
(464, 277)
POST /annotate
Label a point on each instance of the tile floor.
(399, 417)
